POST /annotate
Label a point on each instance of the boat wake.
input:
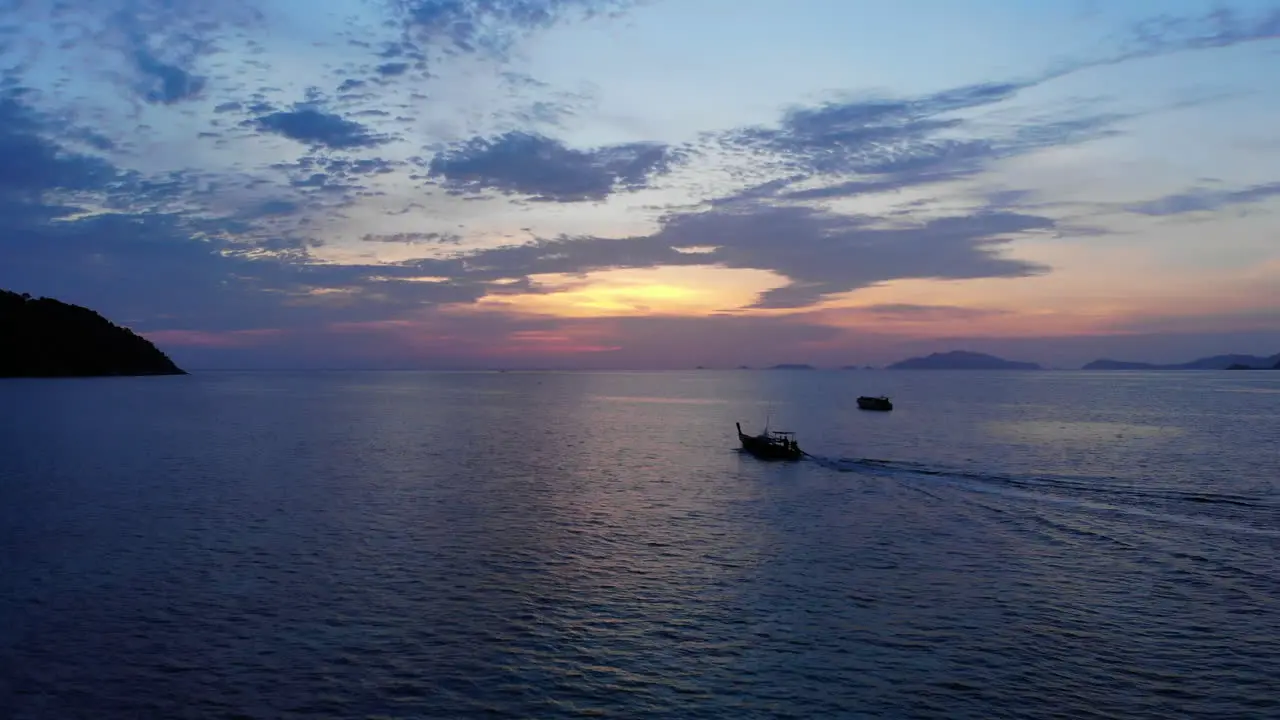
(1257, 512)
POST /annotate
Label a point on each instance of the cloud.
(872, 146)
(198, 279)
(1205, 199)
(414, 238)
(825, 253)
(925, 313)
(74, 226)
(864, 145)
(200, 338)
(163, 82)
(342, 176)
(885, 183)
(270, 208)
(491, 26)
(316, 128)
(160, 42)
(873, 135)
(820, 252)
(393, 69)
(1222, 26)
(32, 164)
(545, 169)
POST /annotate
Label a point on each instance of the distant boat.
(771, 444)
(874, 403)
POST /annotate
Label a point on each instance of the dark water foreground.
(407, 545)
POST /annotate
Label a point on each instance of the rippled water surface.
(525, 545)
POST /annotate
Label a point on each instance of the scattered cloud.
(163, 82)
(907, 311)
(874, 146)
(316, 128)
(1205, 200)
(1223, 26)
(393, 69)
(491, 26)
(159, 43)
(545, 169)
(872, 136)
(32, 163)
(414, 238)
(200, 279)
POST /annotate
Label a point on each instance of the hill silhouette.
(43, 337)
(1215, 362)
(961, 360)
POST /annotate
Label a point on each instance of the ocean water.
(559, 545)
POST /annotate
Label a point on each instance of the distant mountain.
(48, 338)
(792, 366)
(961, 360)
(1221, 362)
(1276, 366)
(1216, 362)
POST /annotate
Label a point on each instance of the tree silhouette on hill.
(43, 337)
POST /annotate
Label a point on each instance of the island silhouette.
(1215, 362)
(961, 360)
(43, 337)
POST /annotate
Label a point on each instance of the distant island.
(1216, 362)
(961, 360)
(43, 337)
(792, 366)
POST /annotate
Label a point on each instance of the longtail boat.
(771, 444)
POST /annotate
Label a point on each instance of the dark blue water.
(417, 545)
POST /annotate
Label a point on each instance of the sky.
(647, 183)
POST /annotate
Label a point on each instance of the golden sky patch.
(696, 290)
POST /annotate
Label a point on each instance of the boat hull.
(766, 448)
(875, 403)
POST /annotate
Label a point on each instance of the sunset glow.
(658, 291)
